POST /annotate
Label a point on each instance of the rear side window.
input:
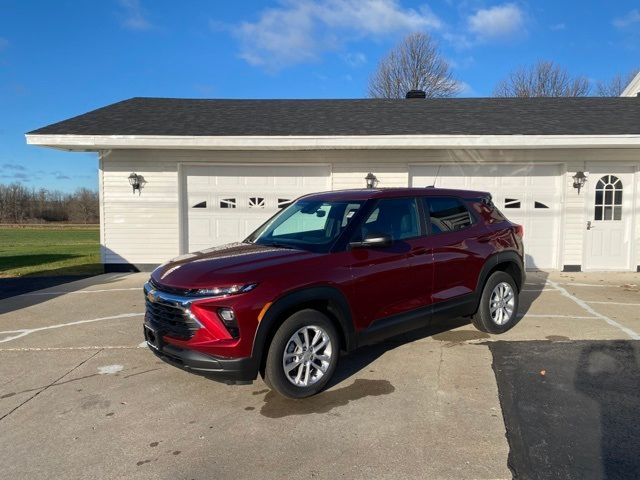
(487, 210)
(447, 214)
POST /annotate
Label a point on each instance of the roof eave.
(107, 142)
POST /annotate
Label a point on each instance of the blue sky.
(62, 58)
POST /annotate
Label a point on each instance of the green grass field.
(49, 251)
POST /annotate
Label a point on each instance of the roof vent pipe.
(416, 94)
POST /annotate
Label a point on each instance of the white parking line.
(586, 307)
(26, 331)
(575, 284)
(86, 347)
(538, 315)
(615, 303)
(61, 292)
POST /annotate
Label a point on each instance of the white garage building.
(213, 170)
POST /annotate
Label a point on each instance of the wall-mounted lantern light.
(371, 180)
(135, 182)
(579, 179)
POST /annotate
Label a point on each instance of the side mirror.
(373, 240)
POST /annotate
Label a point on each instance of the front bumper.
(227, 370)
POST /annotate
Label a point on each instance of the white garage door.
(226, 203)
(530, 195)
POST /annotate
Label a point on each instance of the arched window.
(608, 198)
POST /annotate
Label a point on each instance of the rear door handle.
(419, 251)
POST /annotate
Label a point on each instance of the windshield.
(307, 224)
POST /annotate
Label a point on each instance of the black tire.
(482, 319)
(274, 372)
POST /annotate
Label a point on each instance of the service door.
(225, 203)
(608, 234)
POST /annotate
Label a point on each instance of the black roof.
(450, 116)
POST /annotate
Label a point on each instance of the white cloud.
(629, 19)
(376, 17)
(355, 59)
(134, 17)
(299, 31)
(497, 22)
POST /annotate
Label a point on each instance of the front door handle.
(419, 251)
(589, 227)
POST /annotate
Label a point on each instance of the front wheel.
(498, 308)
(303, 355)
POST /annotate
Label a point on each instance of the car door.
(459, 244)
(390, 280)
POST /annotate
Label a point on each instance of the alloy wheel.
(502, 303)
(307, 356)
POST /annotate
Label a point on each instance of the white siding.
(146, 228)
(139, 228)
(637, 214)
(574, 217)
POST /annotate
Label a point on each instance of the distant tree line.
(20, 204)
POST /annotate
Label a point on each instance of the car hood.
(231, 264)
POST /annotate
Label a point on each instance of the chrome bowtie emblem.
(151, 295)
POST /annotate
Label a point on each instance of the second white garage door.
(225, 203)
(530, 195)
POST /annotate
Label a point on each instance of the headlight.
(223, 291)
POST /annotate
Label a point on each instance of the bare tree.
(414, 64)
(83, 206)
(544, 79)
(615, 86)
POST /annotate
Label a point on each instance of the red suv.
(331, 272)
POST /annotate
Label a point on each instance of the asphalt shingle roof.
(451, 116)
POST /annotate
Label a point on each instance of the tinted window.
(447, 214)
(485, 207)
(397, 217)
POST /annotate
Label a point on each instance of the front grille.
(171, 321)
(187, 292)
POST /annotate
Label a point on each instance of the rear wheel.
(303, 355)
(498, 308)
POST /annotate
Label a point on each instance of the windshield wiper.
(278, 245)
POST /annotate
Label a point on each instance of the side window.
(349, 211)
(397, 217)
(485, 207)
(608, 204)
(447, 214)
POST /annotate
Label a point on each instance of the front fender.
(337, 305)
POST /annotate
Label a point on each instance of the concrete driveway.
(81, 397)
